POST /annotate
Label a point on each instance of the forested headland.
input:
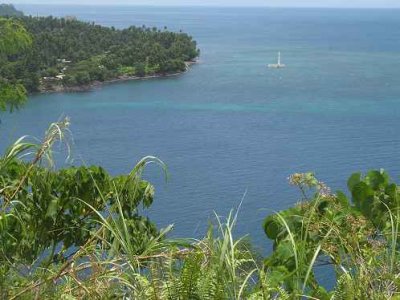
(68, 53)
(8, 10)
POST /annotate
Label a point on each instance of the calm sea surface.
(231, 126)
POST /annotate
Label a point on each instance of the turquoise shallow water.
(231, 126)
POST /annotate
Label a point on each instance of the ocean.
(231, 129)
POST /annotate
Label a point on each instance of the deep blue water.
(231, 125)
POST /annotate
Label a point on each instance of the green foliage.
(216, 267)
(54, 206)
(359, 238)
(45, 214)
(11, 95)
(374, 196)
(82, 53)
(79, 233)
(13, 39)
(129, 71)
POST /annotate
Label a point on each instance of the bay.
(231, 128)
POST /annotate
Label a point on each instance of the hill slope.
(67, 52)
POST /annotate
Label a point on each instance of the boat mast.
(277, 65)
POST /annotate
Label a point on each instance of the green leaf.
(375, 179)
(353, 180)
(272, 227)
(342, 198)
(53, 208)
(363, 197)
(321, 293)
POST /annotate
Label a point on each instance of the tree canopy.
(14, 40)
(69, 52)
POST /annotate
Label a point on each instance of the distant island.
(71, 55)
(8, 10)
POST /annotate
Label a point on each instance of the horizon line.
(208, 6)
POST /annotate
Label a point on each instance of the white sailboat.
(279, 65)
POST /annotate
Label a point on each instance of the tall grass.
(124, 258)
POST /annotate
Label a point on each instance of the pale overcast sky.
(275, 3)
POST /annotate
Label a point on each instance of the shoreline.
(98, 84)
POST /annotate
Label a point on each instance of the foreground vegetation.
(80, 233)
(68, 53)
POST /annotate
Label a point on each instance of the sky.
(273, 3)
